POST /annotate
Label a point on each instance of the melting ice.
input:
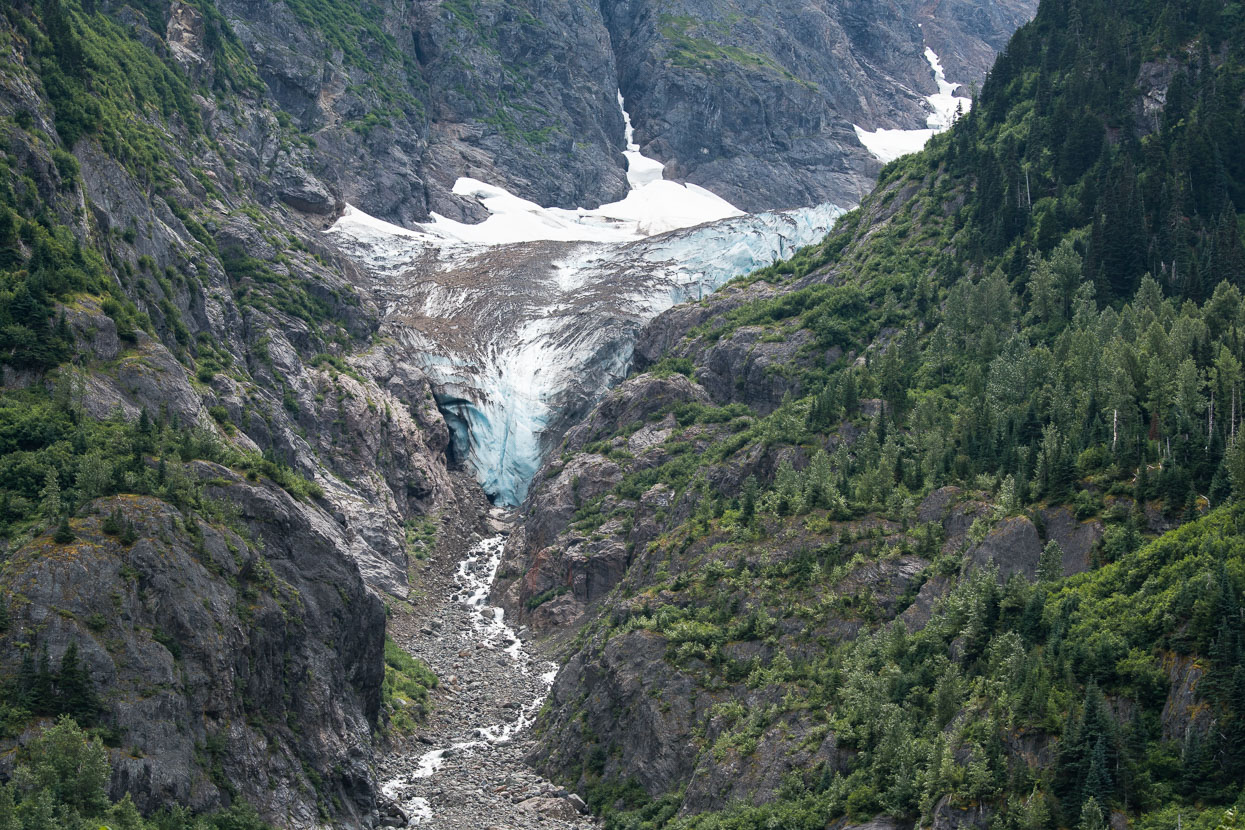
(523, 321)
(888, 145)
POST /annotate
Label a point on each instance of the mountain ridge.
(826, 551)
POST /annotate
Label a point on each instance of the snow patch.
(652, 206)
(888, 145)
(641, 170)
(944, 103)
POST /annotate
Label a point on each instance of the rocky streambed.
(465, 768)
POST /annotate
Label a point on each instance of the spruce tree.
(43, 690)
(75, 693)
(64, 533)
(1050, 564)
(50, 496)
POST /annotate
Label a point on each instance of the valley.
(503, 415)
(523, 321)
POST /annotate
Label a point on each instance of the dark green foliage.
(43, 692)
(258, 284)
(98, 79)
(114, 523)
(1162, 195)
(64, 533)
(129, 534)
(404, 692)
(61, 780)
(997, 662)
(41, 431)
(544, 596)
(1045, 309)
(32, 335)
(74, 689)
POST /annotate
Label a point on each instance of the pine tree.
(849, 394)
(9, 818)
(748, 508)
(75, 693)
(1098, 786)
(43, 690)
(64, 534)
(50, 496)
(27, 677)
(113, 523)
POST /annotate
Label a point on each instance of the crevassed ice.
(534, 312)
(888, 145)
(520, 388)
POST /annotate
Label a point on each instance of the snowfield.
(888, 145)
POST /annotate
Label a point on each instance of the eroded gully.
(465, 769)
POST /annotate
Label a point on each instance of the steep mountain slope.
(755, 101)
(403, 99)
(204, 454)
(214, 460)
(871, 535)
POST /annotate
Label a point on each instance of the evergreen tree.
(64, 534)
(75, 692)
(50, 496)
(1092, 817)
(43, 689)
(748, 506)
(1050, 564)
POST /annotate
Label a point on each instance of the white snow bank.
(641, 169)
(944, 102)
(888, 145)
(652, 206)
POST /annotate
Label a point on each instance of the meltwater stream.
(492, 688)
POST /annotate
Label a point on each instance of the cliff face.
(231, 659)
(795, 546)
(236, 642)
(426, 92)
(755, 101)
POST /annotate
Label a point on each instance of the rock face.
(755, 103)
(1012, 546)
(967, 35)
(489, 90)
(237, 645)
(206, 713)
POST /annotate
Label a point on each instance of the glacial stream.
(469, 771)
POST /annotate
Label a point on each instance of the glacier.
(526, 320)
(944, 107)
